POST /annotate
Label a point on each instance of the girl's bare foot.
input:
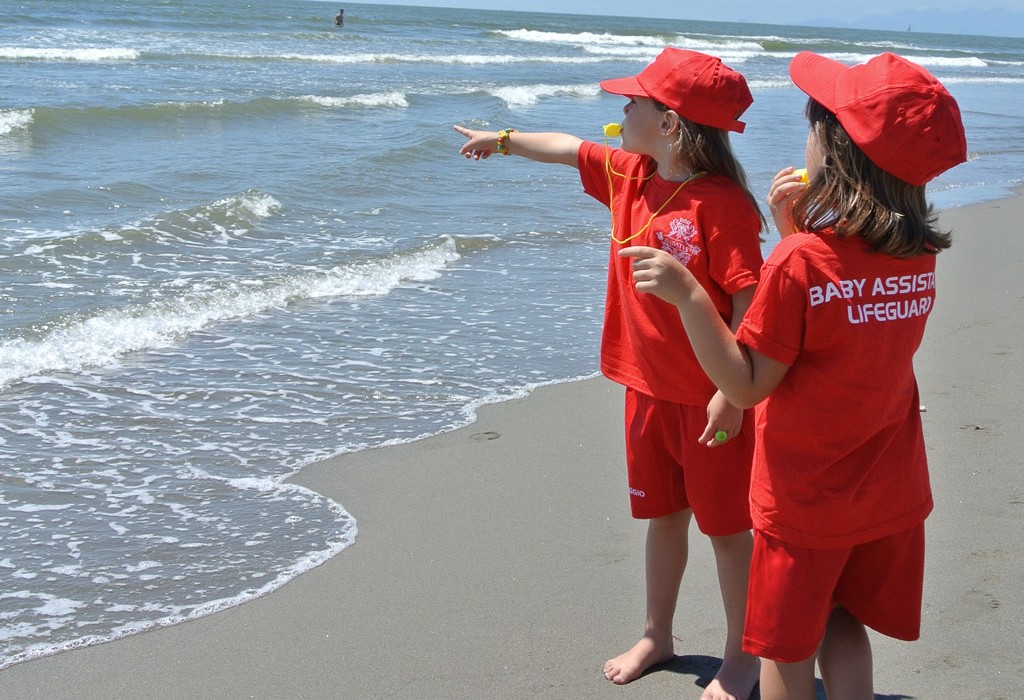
(629, 666)
(735, 679)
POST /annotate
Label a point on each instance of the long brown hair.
(856, 197)
(707, 148)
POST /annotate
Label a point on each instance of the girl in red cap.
(839, 490)
(674, 185)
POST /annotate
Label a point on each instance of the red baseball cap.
(695, 85)
(903, 119)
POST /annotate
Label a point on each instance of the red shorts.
(793, 591)
(669, 470)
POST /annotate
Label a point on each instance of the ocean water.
(235, 239)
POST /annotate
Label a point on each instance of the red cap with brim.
(899, 114)
(694, 85)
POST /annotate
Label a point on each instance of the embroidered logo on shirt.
(678, 242)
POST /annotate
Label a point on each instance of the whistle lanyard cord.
(609, 171)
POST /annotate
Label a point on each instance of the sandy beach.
(500, 561)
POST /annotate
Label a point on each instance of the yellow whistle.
(802, 173)
(612, 130)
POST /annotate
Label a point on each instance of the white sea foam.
(14, 119)
(375, 99)
(108, 336)
(56, 608)
(525, 95)
(949, 61)
(254, 204)
(967, 80)
(718, 47)
(47, 54)
(253, 483)
(627, 45)
(638, 52)
(37, 508)
(460, 59)
(771, 84)
(186, 106)
(810, 42)
(730, 55)
(927, 61)
(248, 206)
(511, 59)
(586, 38)
(141, 566)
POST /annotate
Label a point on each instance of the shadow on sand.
(705, 668)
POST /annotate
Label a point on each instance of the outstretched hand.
(656, 272)
(479, 145)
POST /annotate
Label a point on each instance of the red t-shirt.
(839, 457)
(709, 225)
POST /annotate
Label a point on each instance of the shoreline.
(499, 560)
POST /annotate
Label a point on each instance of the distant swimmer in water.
(339, 19)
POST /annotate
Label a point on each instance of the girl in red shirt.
(839, 489)
(676, 186)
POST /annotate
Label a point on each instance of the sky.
(996, 17)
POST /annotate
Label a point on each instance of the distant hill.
(994, 22)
